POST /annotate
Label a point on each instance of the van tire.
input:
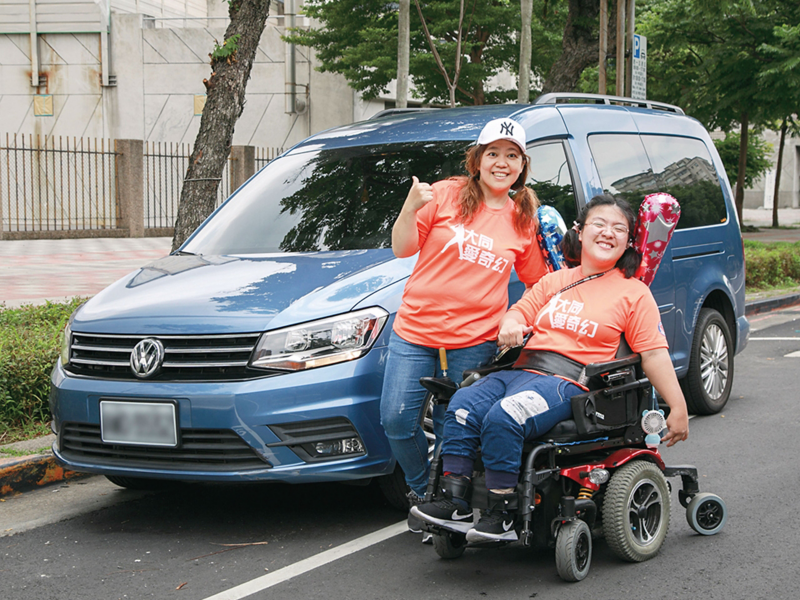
(394, 489)
(707, 385)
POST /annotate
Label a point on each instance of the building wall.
(763, 190)
(158, 64)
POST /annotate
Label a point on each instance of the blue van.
(256, 351)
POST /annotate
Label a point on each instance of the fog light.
(339, 447)
(598, 476)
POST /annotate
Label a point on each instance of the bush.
(769, 265)
(29, 346)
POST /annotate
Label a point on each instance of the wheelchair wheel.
(449, 544)
(574, 550)
(636, 511)
(706, 514)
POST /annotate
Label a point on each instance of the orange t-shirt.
(585, 322)
(459, 288)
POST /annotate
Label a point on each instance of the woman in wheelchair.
(577, 317)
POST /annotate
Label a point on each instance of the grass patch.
(771, 265)
(9, 452)
(29, 346)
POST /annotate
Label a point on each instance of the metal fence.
(57, 184)
(61, 184)
(265, 155)
(165, 167)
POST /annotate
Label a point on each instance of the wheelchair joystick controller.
(653, 423)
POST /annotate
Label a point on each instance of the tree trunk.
(524, 86)
(580, 46)
(403, 41)
(778, 168)
(742, 166)
(452, 84)
(224, 104)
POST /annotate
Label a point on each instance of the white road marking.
(774, 339)
(792, 355)
(310, 563)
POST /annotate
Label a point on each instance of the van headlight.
(319, 343)
(66, 342)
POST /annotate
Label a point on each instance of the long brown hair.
(470, 198)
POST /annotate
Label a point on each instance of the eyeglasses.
(617, 230)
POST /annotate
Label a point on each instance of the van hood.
(189, 294)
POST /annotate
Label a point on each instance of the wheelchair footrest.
(488, 544)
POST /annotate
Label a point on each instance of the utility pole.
(403, 38)
(601, 71)
(620, 47)
(626, 25)
(631, 15)
(524, 86)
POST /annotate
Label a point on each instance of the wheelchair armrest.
(601, 368)
(505, 359)
(442, 388)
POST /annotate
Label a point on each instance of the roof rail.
(399, 111)
(571, 98)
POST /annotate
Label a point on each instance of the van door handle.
(699, 250)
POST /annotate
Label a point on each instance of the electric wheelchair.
(596, 475)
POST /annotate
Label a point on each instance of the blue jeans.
(498, 414)
(403, 398)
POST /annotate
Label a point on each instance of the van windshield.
(339, 199)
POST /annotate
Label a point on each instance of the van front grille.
(199, 449)
(186, 358)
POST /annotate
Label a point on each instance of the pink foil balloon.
(658, 217)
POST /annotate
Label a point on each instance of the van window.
(684, 170)
(339, 199)
(550, 178)
(632, 167)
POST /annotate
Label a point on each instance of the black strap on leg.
(456, 488)
(503, 502)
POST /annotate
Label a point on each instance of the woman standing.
(469, 233)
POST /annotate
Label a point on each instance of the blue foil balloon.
(551, 232)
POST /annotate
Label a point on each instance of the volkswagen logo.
(147, 357)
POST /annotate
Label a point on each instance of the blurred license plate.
(143, 423)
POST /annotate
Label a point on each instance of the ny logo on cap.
(507, 128)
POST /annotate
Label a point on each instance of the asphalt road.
(91, 540)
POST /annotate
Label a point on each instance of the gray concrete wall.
(159, 69)
(760, 195)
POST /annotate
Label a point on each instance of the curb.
(758, 306)
(23, 473)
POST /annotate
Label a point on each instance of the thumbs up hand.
(418, 196)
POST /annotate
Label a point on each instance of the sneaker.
(494, 525)
(427, 538)
(414, 523)
(448, 514)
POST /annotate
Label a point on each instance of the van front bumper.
(284, 428)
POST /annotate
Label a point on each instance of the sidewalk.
(34, 271)
(762, 218)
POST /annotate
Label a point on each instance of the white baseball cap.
(503, 129)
